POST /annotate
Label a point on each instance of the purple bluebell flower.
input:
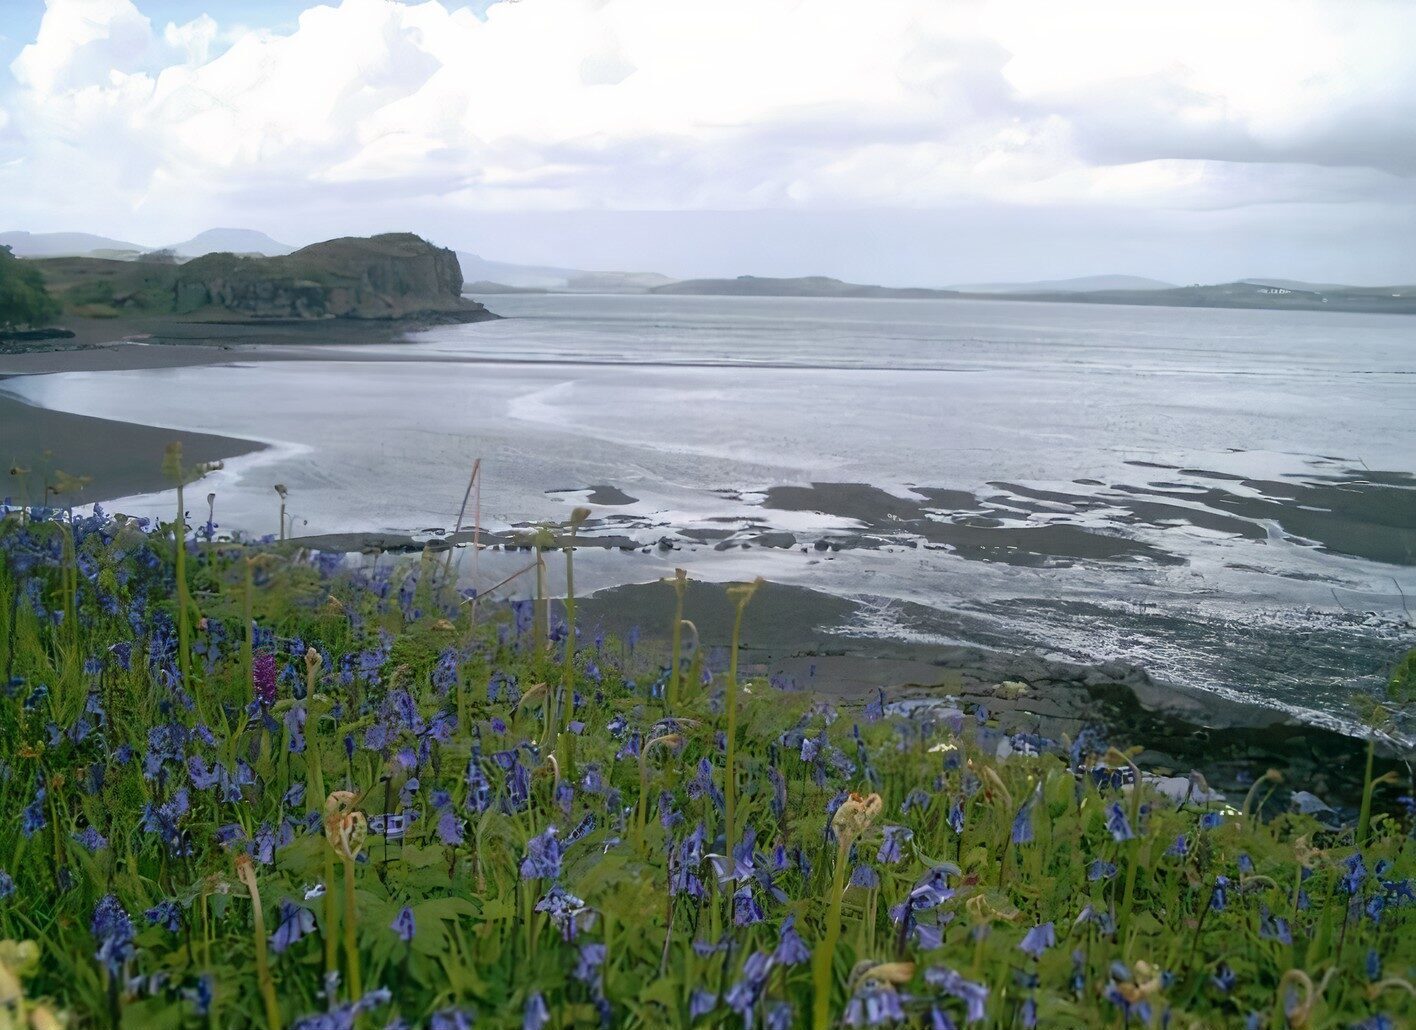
(891, 848)
(791, 949)
(742, 996)
(865, 876)
(536, 1014)
(700, 1003)
(874, 1005)
(167, 914)
(747, 911)
(91, 840)
(201, 994)
(33, 819)
(113, 929)
(929, 893)
(1100, 869)
(1219, 897)
(973, 995)
(916, 798)
(1022, 822)
(956, 816)
(1356, 872)
(565, 909)
(7, 885)
(449, 828)
(404, 924)
(1138, 1010)
(1274, 928)
(588, 961)
(292, 922)
(1117, 824)
(702, 784)
(543, 857)
(1037, 940)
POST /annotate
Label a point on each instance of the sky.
(910, 142)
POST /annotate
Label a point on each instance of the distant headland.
(395, 277)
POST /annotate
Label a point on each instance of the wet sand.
(119, 458)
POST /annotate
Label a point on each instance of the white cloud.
(704, 104)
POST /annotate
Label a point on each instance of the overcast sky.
(899, 141)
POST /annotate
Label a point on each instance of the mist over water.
(1225, 497)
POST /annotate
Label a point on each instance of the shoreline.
(125, 460)
(791, 636)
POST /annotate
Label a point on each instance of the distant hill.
(230, 241)
(395, 276)
(83, 244)
(1392, 299)
(803, 286)
(1398, 300)
(63, 244)
(1298, 284)
(1083, 284)
(549, 277)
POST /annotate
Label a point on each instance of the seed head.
(855, 816)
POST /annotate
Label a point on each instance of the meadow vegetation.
(250, 786)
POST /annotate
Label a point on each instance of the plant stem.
(351, 943)
(267, 982)
(676, 641)
(823, 958)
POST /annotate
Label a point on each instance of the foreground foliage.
(248, 789)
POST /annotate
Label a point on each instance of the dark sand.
(973, 527)
(788, 637)
(121, 458)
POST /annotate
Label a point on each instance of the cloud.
(720, 104)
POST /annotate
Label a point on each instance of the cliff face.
(394, 276)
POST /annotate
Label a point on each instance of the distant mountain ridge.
(801, 286)
(230, 241)
(1081, 284)
(62, 244)
(85, 244)
(1385, 299)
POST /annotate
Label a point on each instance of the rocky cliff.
(393, 276)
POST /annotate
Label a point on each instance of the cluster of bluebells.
(562, 850)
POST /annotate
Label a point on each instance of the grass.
(427, 815)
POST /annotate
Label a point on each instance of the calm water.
(1223, 496)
